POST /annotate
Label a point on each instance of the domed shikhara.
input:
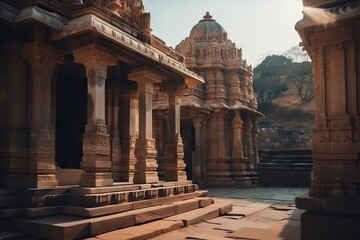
(228, 78)
(208, 30)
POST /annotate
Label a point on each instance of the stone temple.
(103, 126)
(218, 118)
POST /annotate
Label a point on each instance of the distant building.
(218, 118)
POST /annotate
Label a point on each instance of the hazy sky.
(259, 27)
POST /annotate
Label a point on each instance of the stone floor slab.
(204, 237)
(195, 216)
(243, 223)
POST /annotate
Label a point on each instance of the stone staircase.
(127, 212)
(285, 167)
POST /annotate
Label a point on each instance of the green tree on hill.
(273, 76)
(269, 78)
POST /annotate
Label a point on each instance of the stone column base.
(42, 159)
(96, 179)
(146, 165)
(128, 160)
(173, 163)
(42, 180)
(96, 156)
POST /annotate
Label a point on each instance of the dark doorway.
(71, 110)
(188, 137)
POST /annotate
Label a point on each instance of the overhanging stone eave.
(93, 23)
(32, 13)
(247, 109)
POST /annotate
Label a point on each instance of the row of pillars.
(96, 162)
(244, 141)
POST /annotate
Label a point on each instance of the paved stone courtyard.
(258, 213)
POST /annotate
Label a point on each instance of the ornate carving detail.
(42, 138)
(96, 139)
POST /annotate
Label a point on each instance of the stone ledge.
(328, 205)
(107, 198)
(144, 231)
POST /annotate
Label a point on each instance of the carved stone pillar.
(221, 145)
(220, 85)
(43, 60)
(198, 152)
(213, 150)
(248, 140)
(203, 153)
(113, 126)
(145, 151)
(237, 123)
(234, 90)
(13, 142)
(96, 142)
(129, 132)
(333, 202)
(254, 135)
(174, 150)
(210, 86)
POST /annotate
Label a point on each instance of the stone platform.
(88, 212)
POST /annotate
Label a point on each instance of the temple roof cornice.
(64, 28)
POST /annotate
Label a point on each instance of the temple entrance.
(188, 137)
(71, 105)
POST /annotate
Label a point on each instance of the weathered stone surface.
(205, 202)
(42, 211)
(58, 228)
(109, 223)
(223, 207)
(96, 211)
(154, 213)
(195, 216)
(186, 205)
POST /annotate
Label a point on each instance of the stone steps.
(155, 228)
(60, 227)
(285, 167)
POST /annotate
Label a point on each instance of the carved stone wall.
(333, 43)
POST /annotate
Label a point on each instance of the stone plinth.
(146, 164)
(174, 162)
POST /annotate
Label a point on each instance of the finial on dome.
(207, 16)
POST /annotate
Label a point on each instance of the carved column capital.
(144, 74)
(96, 57)
(37, 51)
(197, 122)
